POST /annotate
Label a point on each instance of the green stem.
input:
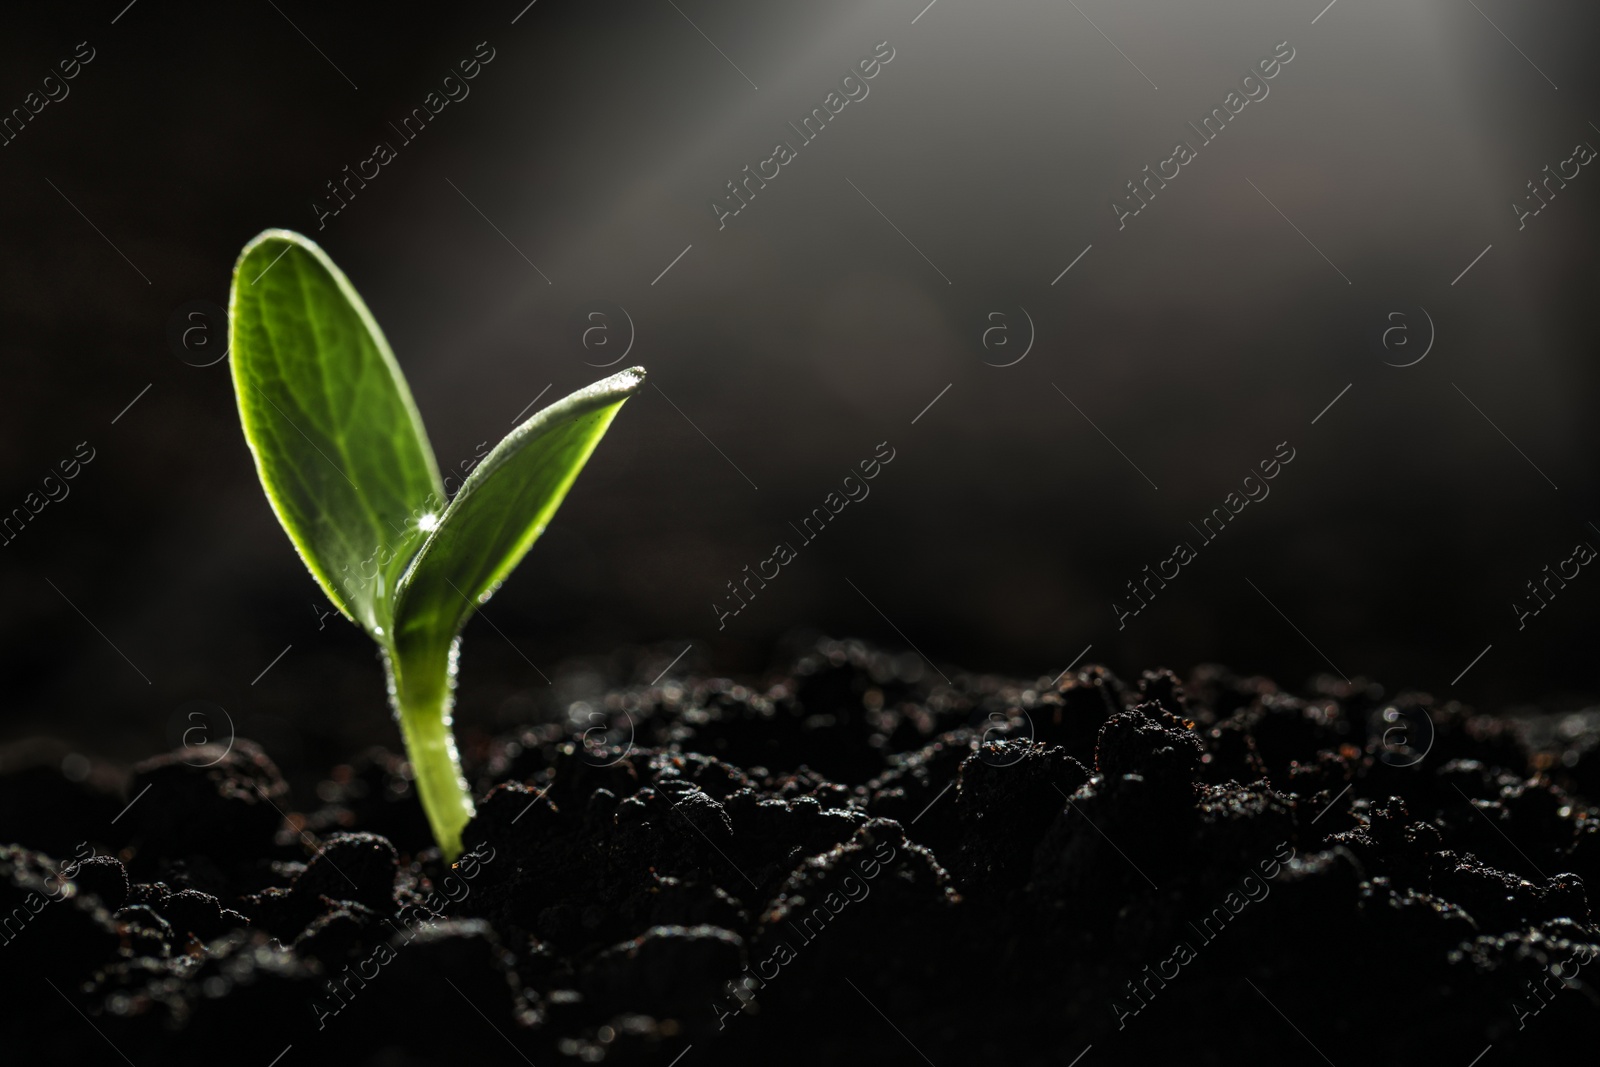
(422, 689)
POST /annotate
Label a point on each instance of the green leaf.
(500, 511)
(336, 437)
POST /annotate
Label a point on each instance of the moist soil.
(854, 862)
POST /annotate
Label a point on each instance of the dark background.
(808, 330)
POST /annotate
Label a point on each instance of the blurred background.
(956, 219)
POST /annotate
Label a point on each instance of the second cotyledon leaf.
(485, 531)
(500, 511)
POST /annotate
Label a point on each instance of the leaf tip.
(262, 253)
(271, 235)
(613, 390)
(630, 380)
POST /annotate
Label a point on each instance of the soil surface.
(856, 863)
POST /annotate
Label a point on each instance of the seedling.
(349, 472)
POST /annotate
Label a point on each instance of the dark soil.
(844, 867)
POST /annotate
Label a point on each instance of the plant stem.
(422, 689)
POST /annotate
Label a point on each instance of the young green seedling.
(347, 468)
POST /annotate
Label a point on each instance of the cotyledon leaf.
(336, 437)
(502, 508)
